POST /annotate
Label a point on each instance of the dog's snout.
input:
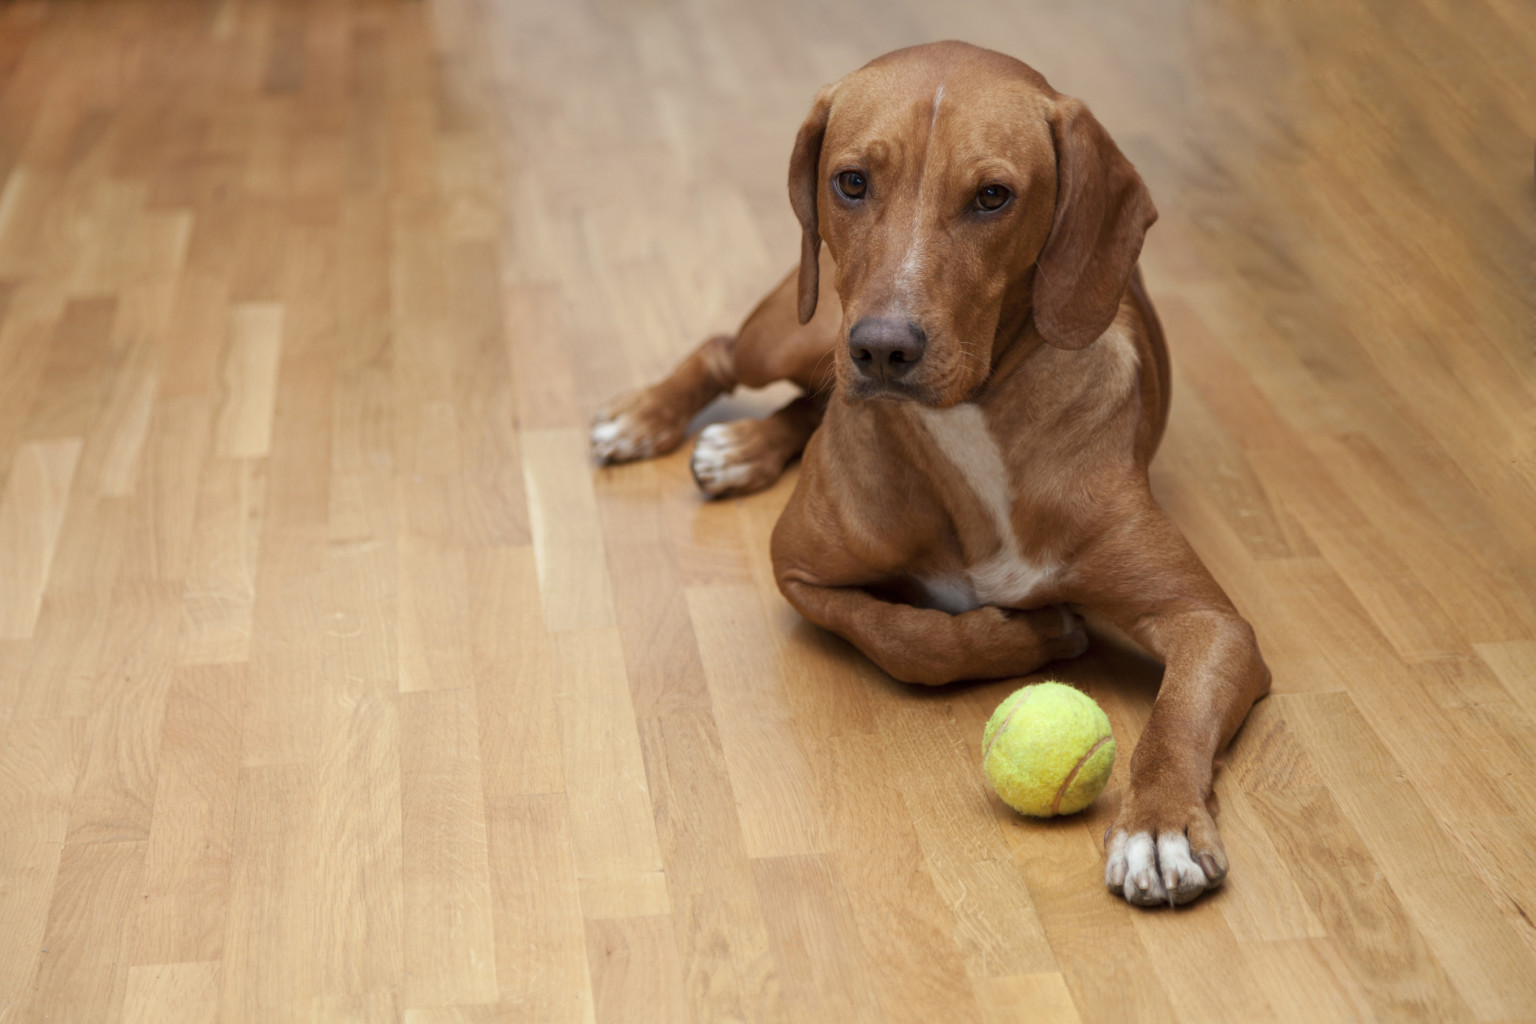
(886, 349)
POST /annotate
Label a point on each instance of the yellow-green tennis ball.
(1048, 750)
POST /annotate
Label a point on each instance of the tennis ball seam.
(1067, 782)
(1002, 726)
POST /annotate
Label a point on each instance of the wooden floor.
(337, 684)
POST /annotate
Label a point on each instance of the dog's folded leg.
(653, 421)
(748, 455)
(922, 645)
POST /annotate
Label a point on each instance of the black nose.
(886, 349)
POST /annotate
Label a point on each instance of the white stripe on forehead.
(912, 262)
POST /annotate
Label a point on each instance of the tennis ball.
(1048, 750)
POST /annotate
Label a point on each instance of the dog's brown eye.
(992, 197)
(851, 184)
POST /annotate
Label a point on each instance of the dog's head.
(960, 195)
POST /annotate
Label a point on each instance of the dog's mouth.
(864, 389)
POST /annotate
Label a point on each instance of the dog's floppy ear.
(804, 184)
(1103, 211)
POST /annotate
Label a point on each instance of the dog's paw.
(636, 426)
(1072, 640)
(1052, 633)
(735, 458)
(1158, 858)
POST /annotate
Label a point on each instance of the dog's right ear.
(804, 185)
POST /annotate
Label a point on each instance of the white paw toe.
(1115, 868)
(619, 440)
(1182, 878)
(1142, 886)
(719, 462)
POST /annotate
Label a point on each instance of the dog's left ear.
(804, 185)
(1103, 211)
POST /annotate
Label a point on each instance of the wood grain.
(31, 512)
(338, 684)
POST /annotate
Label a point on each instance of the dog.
(985, 381)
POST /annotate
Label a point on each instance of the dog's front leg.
(923, 645)
(1164, 847)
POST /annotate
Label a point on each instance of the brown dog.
(1000, 385)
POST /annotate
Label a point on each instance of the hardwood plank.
(934, 754)
(39, 761)
(1095, 941)
(84, 974)
(1330, 992)
(181, 916)
(636, 976)
(612, 825)
(1431, 878)
(1515, 665)
(114, 796)
(917, 969)
(724, 951)
(1501, 854)
(221, 566)
(359, 835)
(434, 647)
(72, 390)
(57, 676)
(268, 967)
(1386, 954)
(125, 426)
(517, 677)
(175, 993)
(31, 511)
(160, 527)
(1202, 965)
(567, 537)
(815, 939)
(542, 949)
(244, 427)
(448, 929)
(661, 652)
(770, 776)
(1042, 997)
(1269, 907)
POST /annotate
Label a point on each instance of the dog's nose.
(885, 349)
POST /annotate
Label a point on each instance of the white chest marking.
(1003, 578)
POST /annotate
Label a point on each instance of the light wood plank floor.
(337, 684)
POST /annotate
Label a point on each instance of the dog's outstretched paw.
(636, 427)
(1163, 859)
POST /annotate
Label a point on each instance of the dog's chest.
(1000, 575)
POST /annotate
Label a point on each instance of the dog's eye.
(851, 185)
(992, 197)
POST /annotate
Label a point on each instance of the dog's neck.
(1015, 339)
